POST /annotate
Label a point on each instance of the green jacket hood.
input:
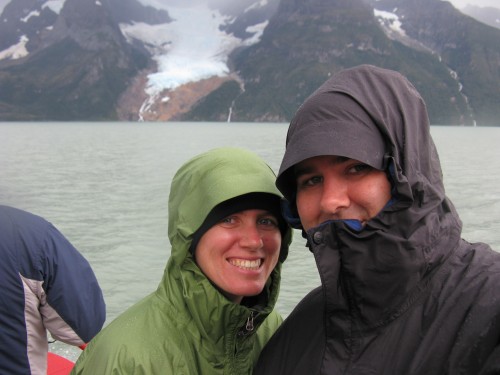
(207, 180)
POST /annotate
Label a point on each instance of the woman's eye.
(228, 220)
(268, 222)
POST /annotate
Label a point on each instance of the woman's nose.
(251, 237)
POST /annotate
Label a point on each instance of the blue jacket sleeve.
(71, 287)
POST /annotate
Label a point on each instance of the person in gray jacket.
(402, 292)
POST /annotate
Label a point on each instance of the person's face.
(239, 253)
(338, 188)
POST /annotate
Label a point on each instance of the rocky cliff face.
(466, 47)
(75, 65)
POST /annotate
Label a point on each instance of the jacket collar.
(371, 276)
(188, 290)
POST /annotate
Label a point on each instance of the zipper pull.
(249, 326)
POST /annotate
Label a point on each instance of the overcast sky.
(482, 3)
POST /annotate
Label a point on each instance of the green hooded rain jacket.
(187, 326)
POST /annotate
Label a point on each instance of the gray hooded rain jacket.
(405, 294)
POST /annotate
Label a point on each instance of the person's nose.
(251, 238)
(335, 196)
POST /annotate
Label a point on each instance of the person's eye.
(270, 221)
(359, 168)
(228, 220)
(309, 181)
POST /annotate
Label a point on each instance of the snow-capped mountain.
(196, 43)
(245, 60)
(185, 41)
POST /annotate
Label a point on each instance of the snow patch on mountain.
(34, 13)
(390, 22)
(195, 53)
(54, 5)
(16, 51)
(260, 4)
(258, 30)
(393, 26)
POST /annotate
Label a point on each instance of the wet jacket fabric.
(46, 284)
(405, 294)
(187, 326)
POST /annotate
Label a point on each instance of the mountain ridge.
(98, 60)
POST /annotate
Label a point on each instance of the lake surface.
(106, 185)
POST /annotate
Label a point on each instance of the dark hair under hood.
(377, 116)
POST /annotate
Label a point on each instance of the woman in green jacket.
(213, 310)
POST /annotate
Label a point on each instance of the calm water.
(105, 186)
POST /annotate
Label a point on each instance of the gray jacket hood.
(376, 270)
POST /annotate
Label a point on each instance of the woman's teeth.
(246, 264)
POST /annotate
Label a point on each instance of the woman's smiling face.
(239, 253)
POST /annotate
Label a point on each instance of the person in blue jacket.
(47, 285)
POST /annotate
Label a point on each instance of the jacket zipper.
(249, 327)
